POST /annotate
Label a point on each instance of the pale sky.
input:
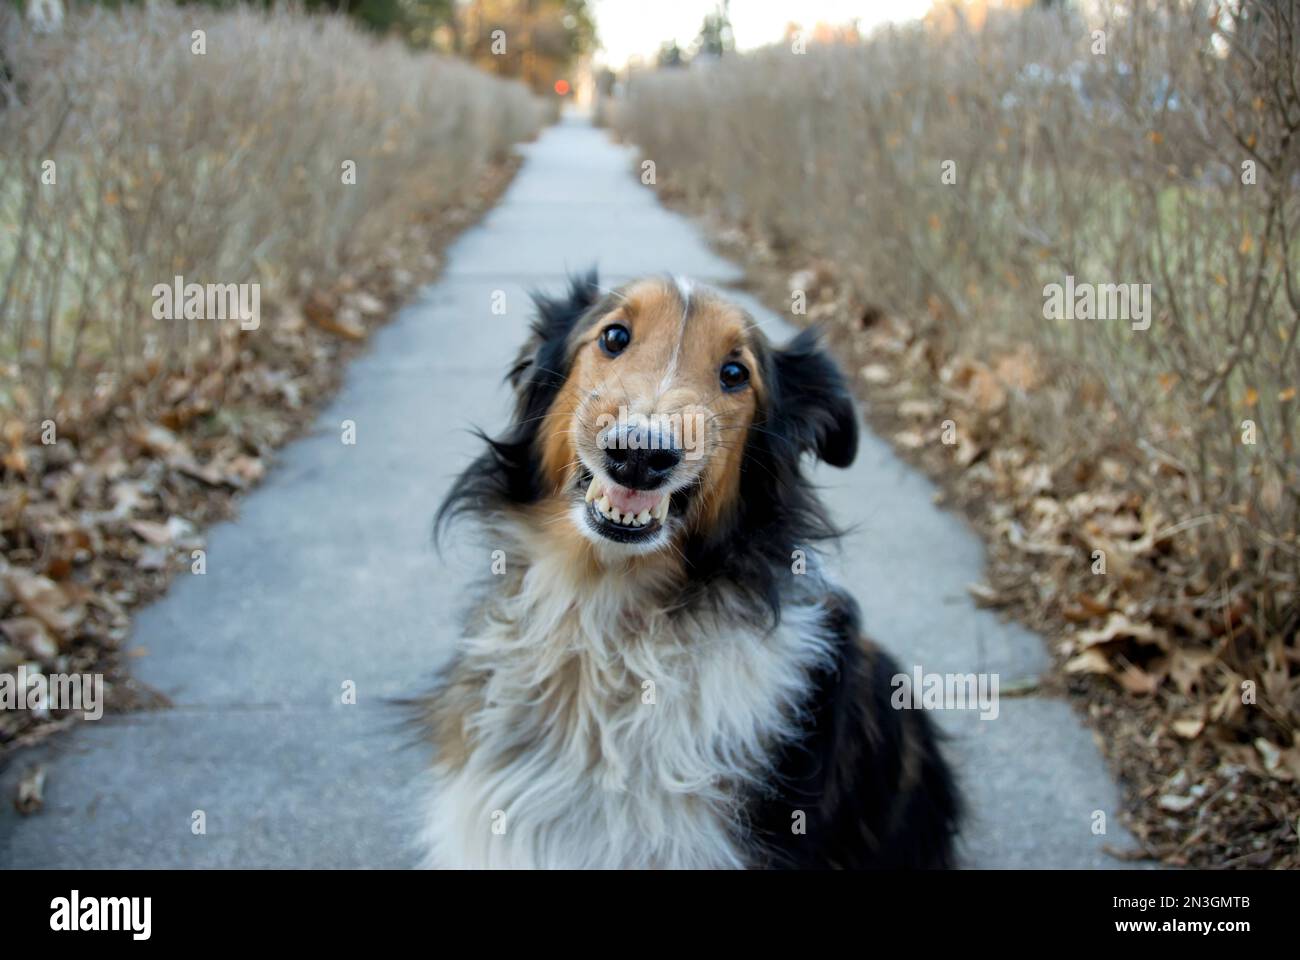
(634, 27)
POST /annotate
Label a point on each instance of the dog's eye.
(614, 339)
(733, 375)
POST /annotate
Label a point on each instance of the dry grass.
(1068, 438)
(225, 167)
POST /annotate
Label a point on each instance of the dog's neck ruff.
(611, 726)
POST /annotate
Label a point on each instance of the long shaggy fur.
(715, 709)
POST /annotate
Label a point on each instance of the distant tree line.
(714, 39)
(538, 41)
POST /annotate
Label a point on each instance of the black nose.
(639, 459)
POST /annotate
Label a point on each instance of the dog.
(658, 673)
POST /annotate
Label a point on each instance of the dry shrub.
(225, 167)
(123, 435)
(1170, 160)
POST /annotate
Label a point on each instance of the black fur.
(874, 791)
(506, 472)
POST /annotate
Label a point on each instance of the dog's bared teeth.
(597, 495)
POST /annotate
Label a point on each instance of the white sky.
(634, 27)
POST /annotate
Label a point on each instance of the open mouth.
(625, 515)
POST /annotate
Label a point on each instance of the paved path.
(328, 576)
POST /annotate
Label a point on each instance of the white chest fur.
(608, 734)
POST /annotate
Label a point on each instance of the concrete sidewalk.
(328, 577)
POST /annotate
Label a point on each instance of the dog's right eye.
(614, 339)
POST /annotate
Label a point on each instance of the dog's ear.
(811, 408)
(505, 472)
(542, 364)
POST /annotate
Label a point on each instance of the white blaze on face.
(684, 290)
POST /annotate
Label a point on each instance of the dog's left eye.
(614, 339)
(733, 375)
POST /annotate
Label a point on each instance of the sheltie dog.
(658, 672)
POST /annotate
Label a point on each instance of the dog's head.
(658, 418)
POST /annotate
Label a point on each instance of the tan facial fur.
(669, 373)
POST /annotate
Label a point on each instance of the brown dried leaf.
(978, 385)
(158, 534)
(128, 496)
(368, 304)
(986, 596)
(210, 473)
(1276, 762)
(29, 635)
(1020, 370)
(1189, 728)
(45, 600)
(1090, 661)
(30, 796)
(1176, 803)
(877, 374)
(1186, 667)
(921, 409)
(1120, 627)
(156, 440)
(1137, 681)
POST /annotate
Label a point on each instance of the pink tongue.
(631, 501)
